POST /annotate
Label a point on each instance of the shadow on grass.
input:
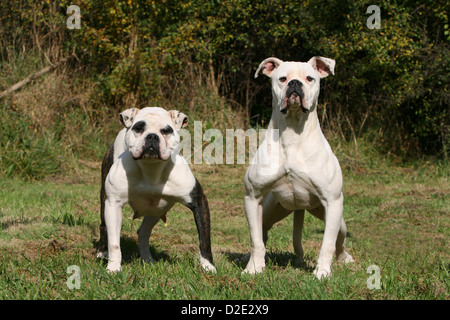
(13, 221)
(274, 258)
(130, 251)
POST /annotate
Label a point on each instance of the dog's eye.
(283, 79)
(309, 78)
(139, 127)
(166, 130)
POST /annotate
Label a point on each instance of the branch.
(30, 78)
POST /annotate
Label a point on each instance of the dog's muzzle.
(150, 148)
(294, 95)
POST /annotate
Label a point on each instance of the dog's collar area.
(146, 156)
(285, 110)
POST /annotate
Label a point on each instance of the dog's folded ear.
(268, 65)
(179, 119)
(324, 66)
(127, 117)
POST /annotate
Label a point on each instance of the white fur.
(303, 174)
(150, 186)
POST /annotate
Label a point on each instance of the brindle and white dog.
(144, 169)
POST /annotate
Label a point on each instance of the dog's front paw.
(322, 273)
(113, 267)
(207, 265)
(254, 267)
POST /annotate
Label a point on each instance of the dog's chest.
(150, 200)
(295, 191)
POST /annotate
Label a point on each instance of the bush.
(391, 84)
(394, 79)
(22, 152)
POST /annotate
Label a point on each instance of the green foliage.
(391, 84)
(400, 72)
(23, 152)
(396, 77)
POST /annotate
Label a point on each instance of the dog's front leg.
(113, 220)
(333, 217)
(253, 210)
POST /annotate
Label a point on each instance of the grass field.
(397, 218)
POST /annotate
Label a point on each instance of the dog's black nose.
(151, 147)
(152, 137)
(294, 83)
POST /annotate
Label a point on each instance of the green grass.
(397, 218)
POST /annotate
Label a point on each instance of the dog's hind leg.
(341, 254)
(144, 232)
(318, 212)
(299, 217)
(102, 246)
(273, 212)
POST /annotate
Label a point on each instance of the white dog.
(295, 168)
(144, 169)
